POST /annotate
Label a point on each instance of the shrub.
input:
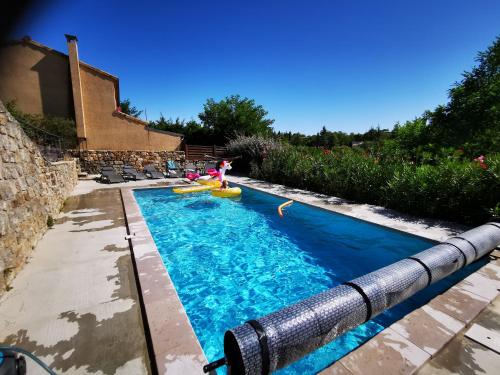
(252, 149)
(460, 191)
(343, 172)
(454, 189)
(63, 128)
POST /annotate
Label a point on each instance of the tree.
(471, 119)
(127, 108)
(193, 132)
(234, 116)
(376, 134)
(412, 134)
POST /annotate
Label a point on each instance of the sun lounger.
(172, 170)
(209, 165)
(190, 168)
(109, 175)
(180, 170)
(130, 173)
(152, 172)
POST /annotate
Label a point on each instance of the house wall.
(39, 79)
(36, 79)
(107, 129)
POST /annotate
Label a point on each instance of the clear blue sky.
(347, 65)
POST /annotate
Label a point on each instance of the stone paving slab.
(480, 284)
(490, 317)
(484, 336)
(386, 353)
(464, 356)
(336, 369)
(492, 271)
(459, 304)
(428, 328)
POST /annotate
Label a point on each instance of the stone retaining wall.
(91, 160)
(31, 191)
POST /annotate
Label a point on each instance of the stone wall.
(91, 161)
(31, 191)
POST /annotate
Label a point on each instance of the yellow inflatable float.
(212, 183)
(191, 189)
(226, 193)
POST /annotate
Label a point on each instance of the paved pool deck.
(76, 303)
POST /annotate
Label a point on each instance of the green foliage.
(50, 221)
(471, 118)
(252, 149)
(495, 212)
(343, 172)
(412, 135)
(220, 121)
(127, 108)
(64, 128)
(452, 189)
(456, 190)
(234, 116)
(328, 139)
(193, 132)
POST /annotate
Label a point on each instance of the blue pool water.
(232, 260)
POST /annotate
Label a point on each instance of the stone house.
(44, 81)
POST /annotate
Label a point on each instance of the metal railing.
(50, 145)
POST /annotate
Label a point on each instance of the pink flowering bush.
(451, 188)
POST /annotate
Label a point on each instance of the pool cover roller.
(270, 343)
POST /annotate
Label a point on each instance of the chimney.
(76, 85)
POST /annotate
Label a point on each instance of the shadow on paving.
(99, 345)
(99, 205)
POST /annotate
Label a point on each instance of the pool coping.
(402, 347)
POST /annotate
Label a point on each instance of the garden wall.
(31, 190)
(90, 161)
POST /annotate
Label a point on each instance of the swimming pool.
(235, 260)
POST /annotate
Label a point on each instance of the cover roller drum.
(390, 285)
(483, 238)
(465, 247)
(442, 260)
(338, 310)
(341, 308)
